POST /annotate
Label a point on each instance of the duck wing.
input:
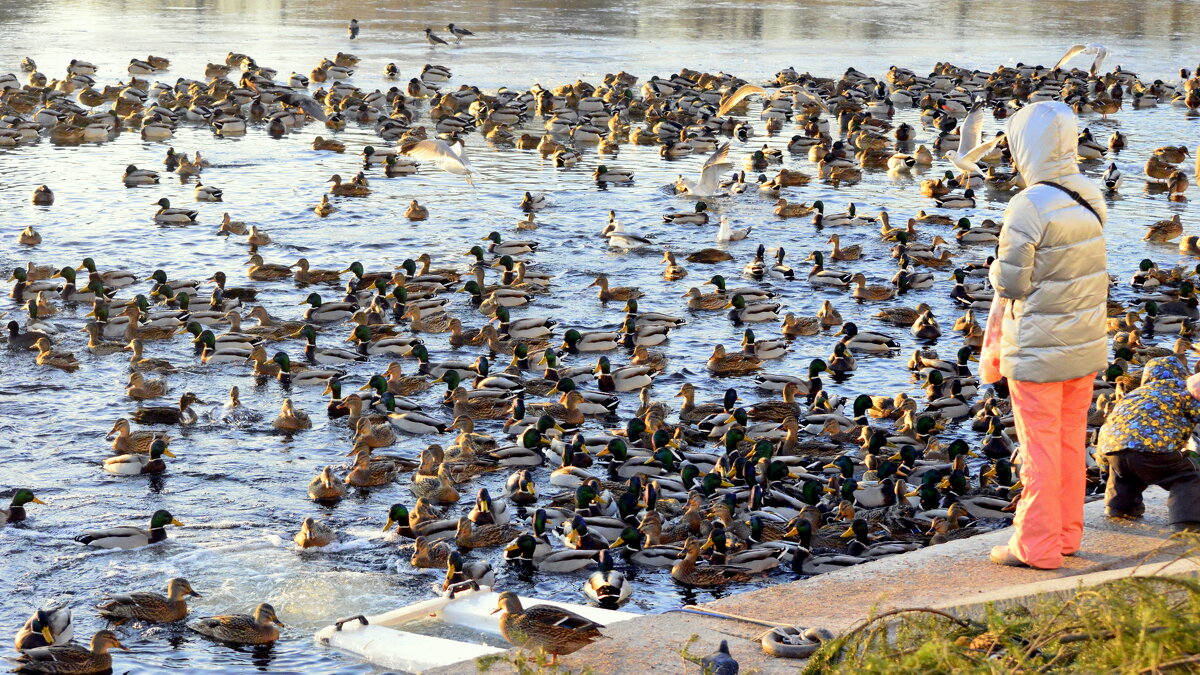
(738, 96)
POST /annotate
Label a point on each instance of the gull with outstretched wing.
(744, 92)
(710, 174)
(450, 158)
(807, 95)
(1091, 49)
(971, 147)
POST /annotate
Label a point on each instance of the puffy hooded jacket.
(1050, 262)
(1158, 416)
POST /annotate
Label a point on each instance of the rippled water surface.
(241, 492)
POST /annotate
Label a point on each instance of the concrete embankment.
(956, 574)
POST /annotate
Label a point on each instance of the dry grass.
(1144, 625)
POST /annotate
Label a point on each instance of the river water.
(241, 492)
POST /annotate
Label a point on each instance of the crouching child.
(1143, 440)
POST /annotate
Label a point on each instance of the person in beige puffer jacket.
(1051, 271)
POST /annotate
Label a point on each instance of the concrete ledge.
(956, 574)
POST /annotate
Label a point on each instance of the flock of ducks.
(792, 477)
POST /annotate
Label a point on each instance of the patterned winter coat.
(1158, 416)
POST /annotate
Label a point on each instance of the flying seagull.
(1091, 49)
(806, 95)
(710, 174)
(970, 146)
(451, 158)
(744, 92)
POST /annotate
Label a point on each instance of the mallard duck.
(460, 574)
(141, 389)
(323, 312)
(902, 316)
(690, 411)
(733, 364)
(326, 486)
(47, 626)
(15, 512)
(861, 544)
(96, 345)
(763, 349)
(621, 293)
(172, 216)
(642, 549)
(841, 361)
(72, 658)
(697, 217)
(306, 275)
(259, 270)
(48, 356)
(324, 207)
(340, 189)
(1164, 231)
(514, 248)
(709, 256)
(134, 176)
(780, 409)
(806, 387)
(133, 463)
(207, 193)
(964, 201)
(530, 328)
(314, 534)
(131, 537)
(315, 354)
(864, 292)
(534, 551)
(800, 326)
(550, 629)
(29, 237)
(628, 378)
(740, 311)
(926, 327)
(260, 629)
(688, 573)
(398, 515)
(369, 473)
(437, 489)
(472, 535)
(607, 587)
(838, 253)
(181, 414)
(819, 276)
(605, 174)
(373, 435)
(149, 607)
(125, 441)
(110, 278)
(268, 326)
(416, 212)
(291, 419)
(143, 364)
(867, 341)
(783, 209)
(429, 553)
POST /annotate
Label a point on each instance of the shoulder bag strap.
(1076, 196)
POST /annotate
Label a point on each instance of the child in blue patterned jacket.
(1143, 439)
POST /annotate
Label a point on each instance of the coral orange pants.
(1051, 420)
